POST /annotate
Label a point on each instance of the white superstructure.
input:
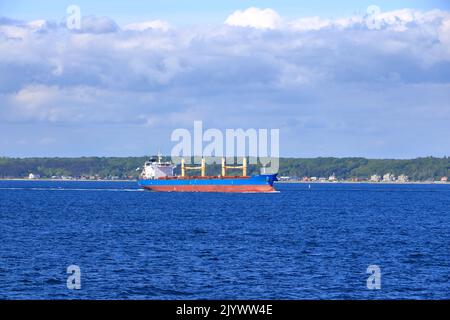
(155, 168)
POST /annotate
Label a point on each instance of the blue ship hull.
(259, 183)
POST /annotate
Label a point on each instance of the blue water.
(300, 243)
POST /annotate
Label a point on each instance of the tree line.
(418, 169)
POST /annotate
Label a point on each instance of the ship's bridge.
(155, 169)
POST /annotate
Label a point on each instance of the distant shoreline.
(74, 180)
(277, 182)
(361, 182)
(427, 169)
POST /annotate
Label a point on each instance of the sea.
(112, 240)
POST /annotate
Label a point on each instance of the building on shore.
(444, 179)
(403, 178)
(375, 178)
(33, 176)
(388, 177)
(332, 178)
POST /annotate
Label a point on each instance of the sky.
(359, 78)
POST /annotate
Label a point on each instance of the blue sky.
(335, 80)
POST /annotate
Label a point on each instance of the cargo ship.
(159, 176)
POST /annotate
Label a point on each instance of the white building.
(332, 178)
(388, 177)
(403, 178)
(33, 176)
(375, 178)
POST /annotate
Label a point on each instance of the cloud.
(397, 20)
(75, 104)
(254, 18)
(444, 34)
(18, 29)
(148, 25)
(310, 23)
(92, 24)
(333, 86)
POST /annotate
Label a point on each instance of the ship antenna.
(159, 156)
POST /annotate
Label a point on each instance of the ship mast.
(159, 156)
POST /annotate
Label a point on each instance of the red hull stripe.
(212, 188)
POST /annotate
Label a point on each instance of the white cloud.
(37, 24)
(20, 30)
(76, 104)
(255, 18)
(13, 31)
(146, 25)
(34, 102)
(92, 24)
(310, 23)
(397, 20)
(444, 34)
